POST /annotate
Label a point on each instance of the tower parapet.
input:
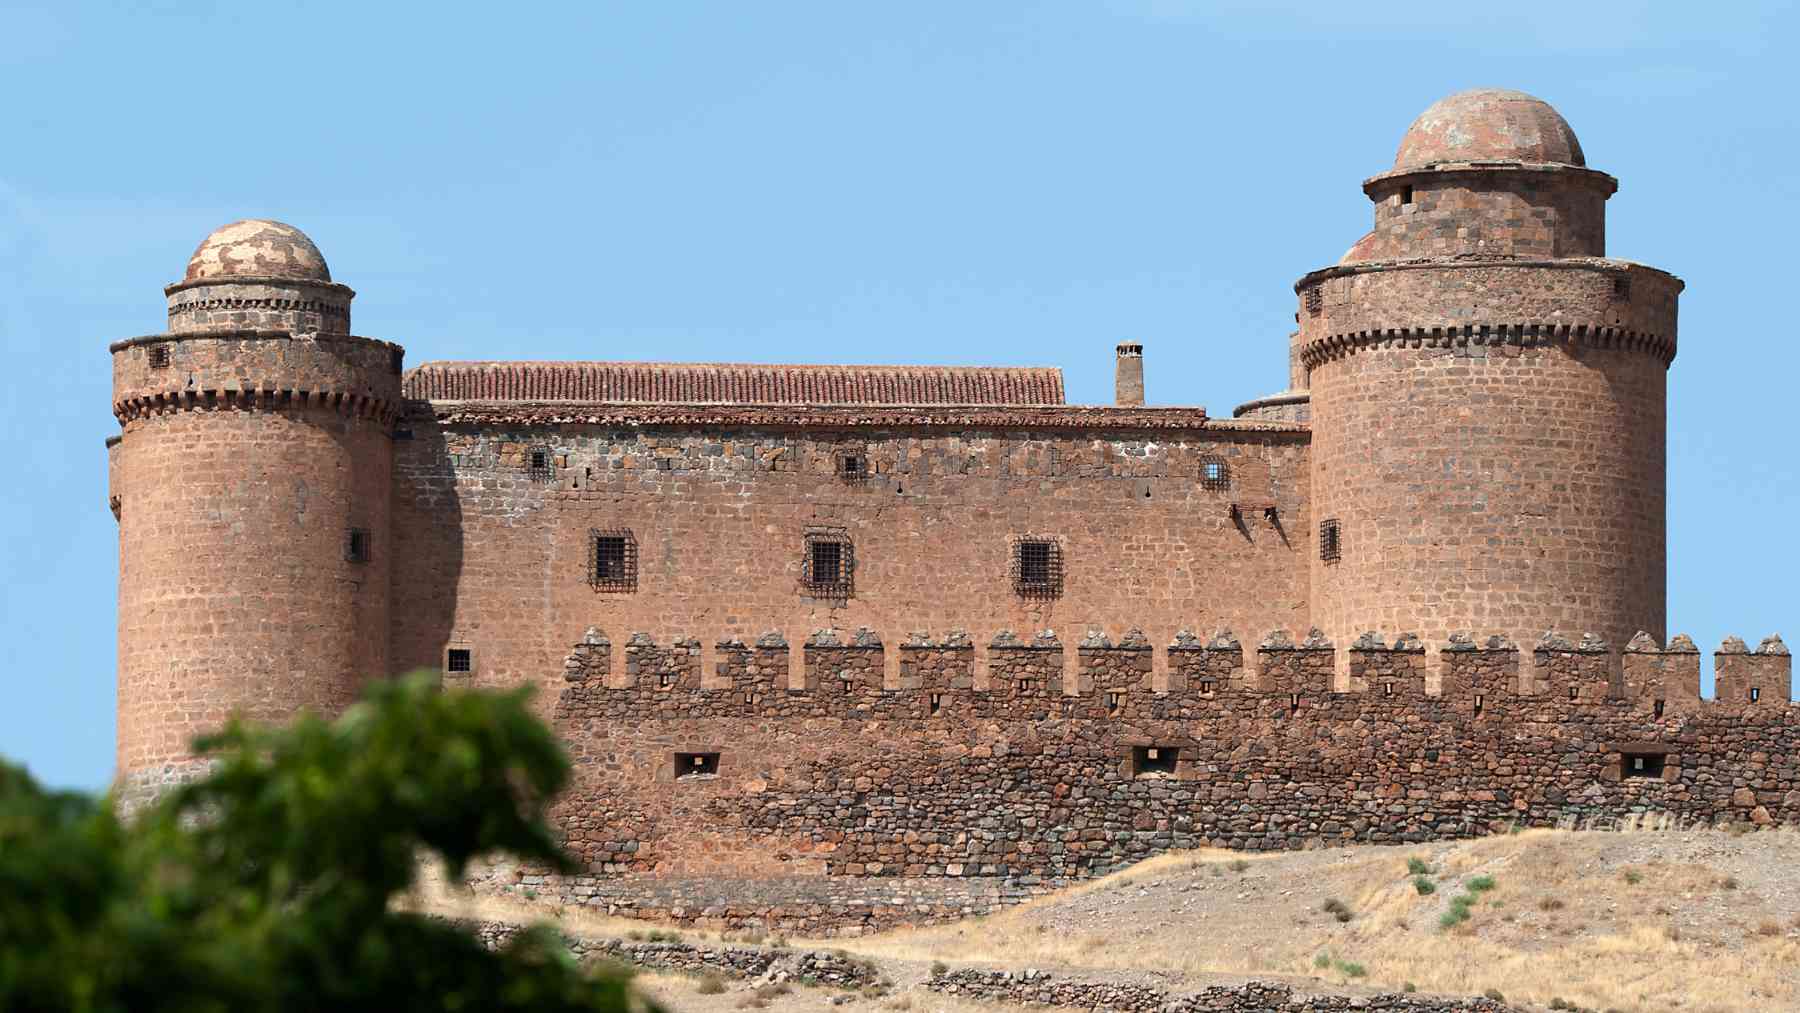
(251, 480)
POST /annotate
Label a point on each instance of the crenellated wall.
(991, 769)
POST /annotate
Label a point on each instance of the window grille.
(539, 465)
(1315, 300)
(853, 466)
(828, 566)
(1037, 567)
(358, 545)
(459, 660)
(159, 356)
(1331, 546)
(612, 560)
(1215, 474)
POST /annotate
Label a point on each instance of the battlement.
(838, 674)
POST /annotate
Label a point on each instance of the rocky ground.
(1630, 921)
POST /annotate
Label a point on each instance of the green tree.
(271, 883)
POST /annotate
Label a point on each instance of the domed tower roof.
(1489, 125)
(257, 248)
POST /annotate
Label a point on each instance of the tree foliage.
(270, 884)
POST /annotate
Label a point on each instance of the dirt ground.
(1632, 921)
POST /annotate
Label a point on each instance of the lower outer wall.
(848, 824)
(1491, 488)
(234, 593)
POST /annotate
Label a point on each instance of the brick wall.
(491, 555)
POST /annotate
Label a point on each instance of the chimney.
(1128, 379)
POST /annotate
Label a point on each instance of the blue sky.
(1003, 183)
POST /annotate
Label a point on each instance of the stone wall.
(842, 811)
(1038, 988)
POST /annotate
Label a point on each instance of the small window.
(1315, 300)
(1480, 701)
(1037, 567)
(1153, 761)
(853, 466)
(459, 661)
(159, 356)
(612, 560)
(664, 680)
(1293, 703)
(689, 766)
(1658, 708)
(1208, 685)
(539, 464)
(358, 546)
(1331, 546)
(1643, 764)
(1215, 474)
(1755, 694)
(1574, 692)
(828, 565)
(1387, 689)
(1621, 286)
(1406, 195)
(937, 702)
(1024, 686)
(1115, 702)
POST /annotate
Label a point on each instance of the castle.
(848, 645)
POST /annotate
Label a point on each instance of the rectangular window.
(1331, 546)
(828, 564)
(1755, 693)
(1315, 300)
(1406, 195)
(358, 547)
(1115, 702)
(539, 464)
(937, 702)
(459, 661)
(1208, 686)
(853, 466)
(1643, 765)
(1215, 474)
(1153, 761)
(612, 560)
(1037, 567)
(691, 766)
(1621, 286)
(159, 356)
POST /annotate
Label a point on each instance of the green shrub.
(1415, 866)
(1409, 987)
(1633, 877)
(1322, 961)
(1425, 886)
(1239, 865)
(1495, 994)
(1352, 970)
(1480, 884)
(939, 969)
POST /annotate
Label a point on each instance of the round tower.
(1488, 393)
(251, 480)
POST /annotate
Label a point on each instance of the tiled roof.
(1066, 418)
(713, 383)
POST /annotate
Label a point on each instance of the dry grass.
(1558, 921)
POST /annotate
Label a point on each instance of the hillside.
(1639, 921)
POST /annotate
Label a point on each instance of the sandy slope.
(1641, 921)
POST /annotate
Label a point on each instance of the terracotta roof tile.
(714, 383)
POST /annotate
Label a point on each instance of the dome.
(1489, 124)
(257, 248)
(1363, 249)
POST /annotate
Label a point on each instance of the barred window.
(159, 356)
(1037, 567)
(853, 466)
(1215, 474)
(358, 545)
(1330, 541)
(459, 660)
(612, 560)
(539, 465)
(828, 565)
(1315, 300)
